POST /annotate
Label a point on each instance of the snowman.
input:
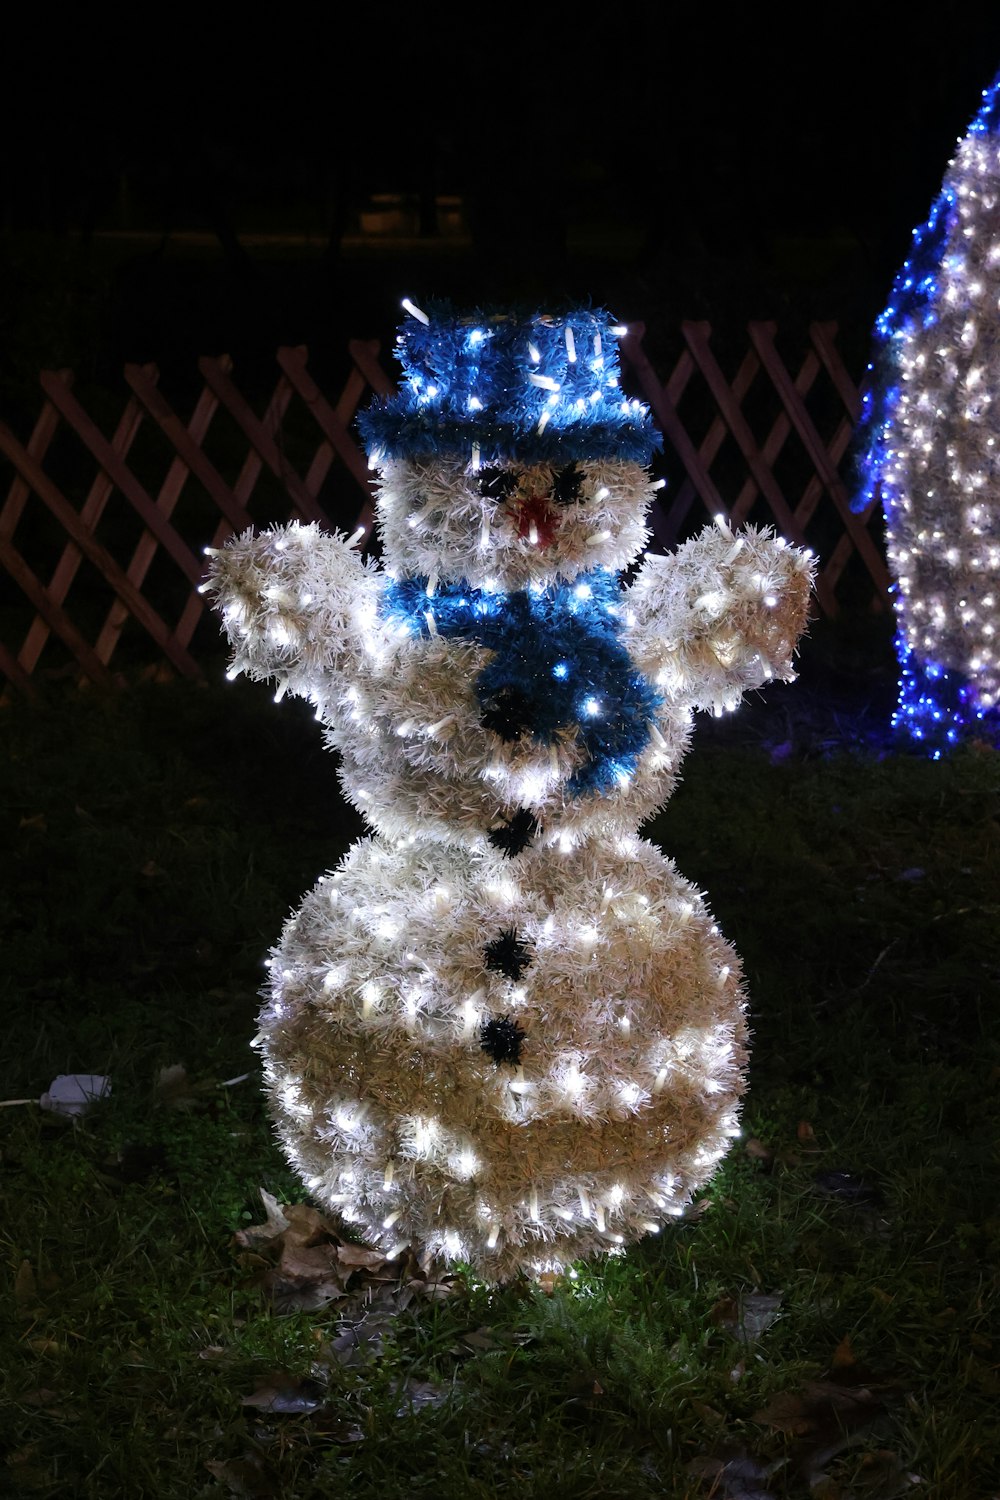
(505, 1028)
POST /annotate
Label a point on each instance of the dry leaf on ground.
(173, 1089)
(299, 1257)
(25, 1288)
(245, 1477)
(748, 1316)
(287, 1394)
(825, 1417)
(729, 1475)
(414, 1395)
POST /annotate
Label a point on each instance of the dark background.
(174, 185)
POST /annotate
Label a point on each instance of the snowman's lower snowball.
(386, 1100)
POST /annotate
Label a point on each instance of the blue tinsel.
(506, 382)
(558, 651)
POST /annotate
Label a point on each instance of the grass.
(826, 1327)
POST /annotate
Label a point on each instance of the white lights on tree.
(932, 447)
(505, 1028)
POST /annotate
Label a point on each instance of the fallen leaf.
(824, 1416)
(274, 1226)
(882, 1475)
(287, 1394)
(843, 1355)
(804, 1131)
(307, 1222)
(34, 824)
(360, 1344)
(848, 1187)
(733, 1475)
(173, 1089)
(757, 1151)
(74, 1093)
(301, 1294)
(480, 1339)
(158, 672)
(359, 1255)
(299, 1257)
(45, 1346)
(414, 1395)
(757, 1312)
(245, 1477)
(696, 1210)
(748, 1316)
(150, 870)
(25, 1289)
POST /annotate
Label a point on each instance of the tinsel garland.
(544, 388)
(505, 1027)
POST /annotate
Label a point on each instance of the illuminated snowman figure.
(505, 1028)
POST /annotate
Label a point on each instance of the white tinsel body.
(628, 1003)
(627, 1091)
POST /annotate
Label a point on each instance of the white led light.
(434, 1092)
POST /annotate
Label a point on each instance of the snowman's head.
(511, 456)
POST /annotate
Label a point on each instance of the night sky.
(671, 166)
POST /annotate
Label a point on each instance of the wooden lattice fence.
(105, 570)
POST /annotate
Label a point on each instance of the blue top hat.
(502, 387)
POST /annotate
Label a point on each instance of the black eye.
(496, 483)
(567, 484)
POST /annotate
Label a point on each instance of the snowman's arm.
(298, 605)
(719, 616)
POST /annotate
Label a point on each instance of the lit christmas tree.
(505, 1028)
(930, 447)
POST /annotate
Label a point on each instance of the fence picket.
(142, 382)
(71, 557)
(333, 423)
(116, 470)
(42, 434)
(663, 408)
(262, 440)
(101, 559)
(56, 618)
(762, 335)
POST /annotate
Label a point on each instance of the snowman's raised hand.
(298, 605)
(719, 616)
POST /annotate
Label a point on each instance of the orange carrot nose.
(536, 520)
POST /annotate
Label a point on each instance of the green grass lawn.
(825, 1324)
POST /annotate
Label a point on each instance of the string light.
(494, 1029)
(928, 450)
